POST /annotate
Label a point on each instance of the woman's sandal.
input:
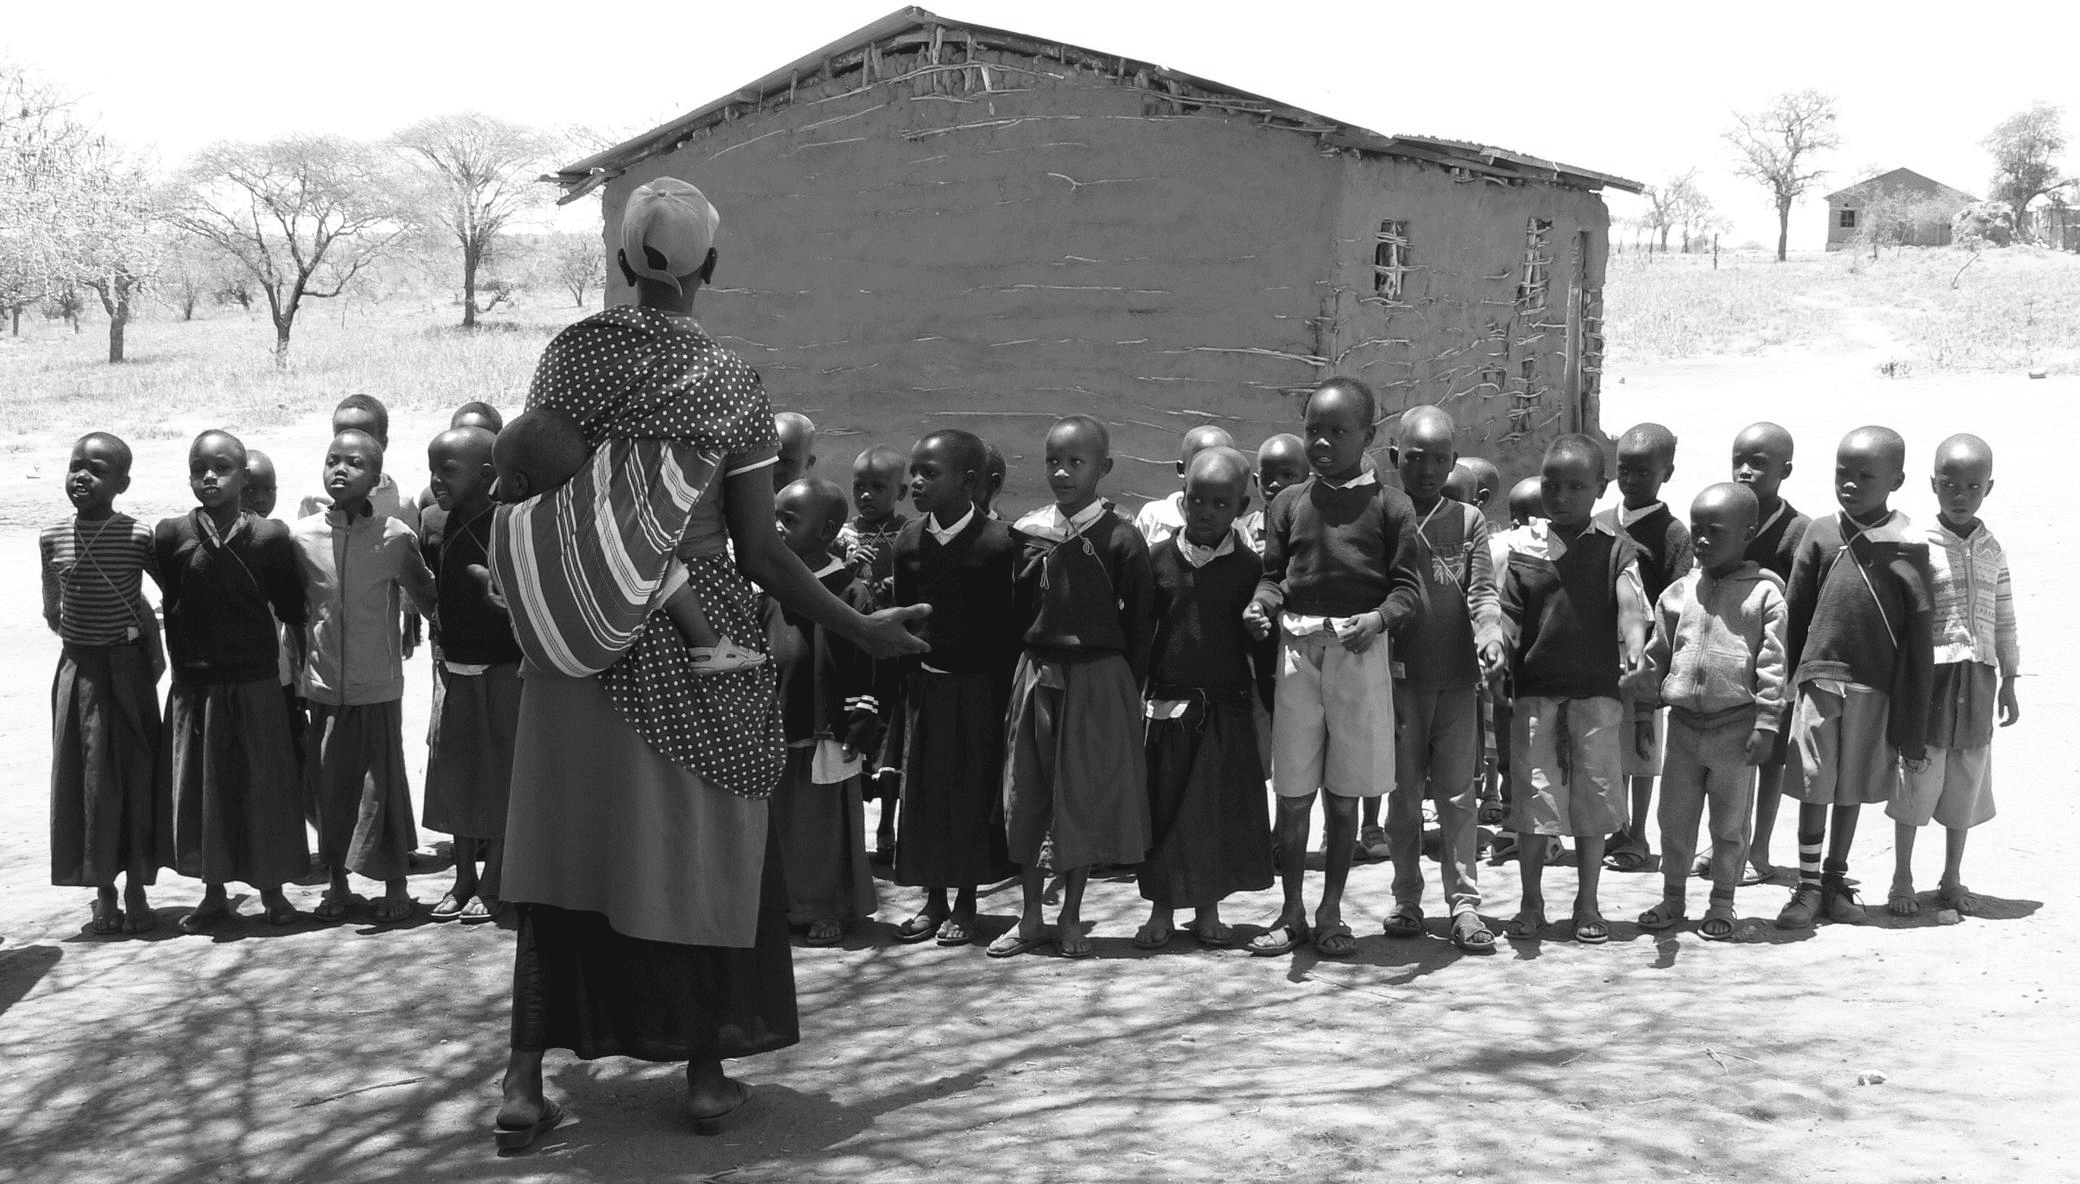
(1471, 934)
(1717, 924)
(723, 657)
(1665, 915)
(520, 1138)
(1404, 920)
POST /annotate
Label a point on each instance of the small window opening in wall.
(1848, 220)
(1538, 263)
(1390, 259)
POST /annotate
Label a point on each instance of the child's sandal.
(724, 657)
(1717, 924)
(1665, 915)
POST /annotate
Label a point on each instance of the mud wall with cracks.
(988, 240)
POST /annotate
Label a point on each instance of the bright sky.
(1639, 88)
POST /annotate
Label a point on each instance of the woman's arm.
(747, 502)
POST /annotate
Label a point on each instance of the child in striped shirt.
(109, 814)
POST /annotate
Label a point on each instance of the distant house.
(1920, 207)
(931, 224)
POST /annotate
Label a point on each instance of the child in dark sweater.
(1075, 781)
(1859, 649)
(1340, 572)
(956, 559)
(868, 545)
(831, 719)
(109, 813)
(1646, 460)
(1574, 620)
(225, 577)
(1761, 461)
(1206, 795)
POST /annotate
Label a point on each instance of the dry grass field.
(1892, 1051)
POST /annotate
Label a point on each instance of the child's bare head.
(363, 413)
(1571, 478)
(1281, 464)
(1526, 502)
(1762, 459)
(1078, 455)
(1722, 522)
(1963, 477)
(809, 513)
(262, 485)
(1216, 492)
(474, 414)
(353, 466)
(1199, 439)
(1646, 459)
(536, 453)
(1487, 480)
(1425, 452)
(1869, 465)
(217, 472)
(459, 468)
(946, 474)
(797, 448)
(1340, 422)
(878, 482)
(98, 473)
(993, 474)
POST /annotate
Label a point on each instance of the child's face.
(456, 477)
(259, 496)
(217, 473)
(1761, 461)
(1961, 483)
(1569, 485)
(1211, 505)
(351, 469)
(1641, 472)
(805, 525)
(1426, 462)
(1278, 471)
(1864, 477)
(1076, 461)
(876, 490)
(1720, 530)
(1337, 433)
(94, 478)
(939, 484)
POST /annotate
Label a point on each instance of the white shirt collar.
(947, 534)
(1048, 522)
(1627, 517)
(835, 564)
(1199, 556)
(1363, 479)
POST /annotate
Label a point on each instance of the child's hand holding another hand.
(1358, 633)
(1258, 620)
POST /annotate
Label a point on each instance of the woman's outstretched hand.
(887, 633)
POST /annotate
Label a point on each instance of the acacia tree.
(37, 138)
(475, 173)
(2024, 148)
(579, 264)
(104, 235)
(301, 215)
(1775, 147)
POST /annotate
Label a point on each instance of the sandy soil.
(347, 1053)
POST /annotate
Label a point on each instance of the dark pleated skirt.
(469, 759)
(953, 777)
(1207, 805)
(356, 767)
(1075, 779)
(110, 813)
(580, 985)
(237, 805)
(823, 848)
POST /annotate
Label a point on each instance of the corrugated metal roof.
(582, 176)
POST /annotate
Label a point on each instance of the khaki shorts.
(1954, 790)
(1838, 754)
(1564, 754)
(1333, 728)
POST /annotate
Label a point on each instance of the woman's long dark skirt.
(578, 984)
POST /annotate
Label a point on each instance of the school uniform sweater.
(1337, 551)
(869, 549)
(1088, 594)
(1718, 644)
(217, 593)
(1860, 613)
(1560, 609)
(475, 628)
(973, 628)
(1458, 611)
(827, 687)
(1775, 544)
(1200, 640)
(355, 570)
(1663, 545)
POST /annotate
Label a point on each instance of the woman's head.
(668, 241)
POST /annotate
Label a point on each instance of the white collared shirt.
(1161, 518)
(1199, 556)
(946, 534)
(1367, 477)
(837, 564)
(1627, 517)
(1048, 522)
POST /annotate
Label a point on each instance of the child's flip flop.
(1011, 943)
(520, 1138)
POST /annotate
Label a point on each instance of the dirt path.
(351, 1054)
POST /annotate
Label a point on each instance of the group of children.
(1100, 692)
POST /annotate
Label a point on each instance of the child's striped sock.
(1809, 847)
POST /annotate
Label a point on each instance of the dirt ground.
(351, 1053)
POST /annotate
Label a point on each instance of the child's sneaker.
(1841, 906)
(723, 657)
(1800, 910)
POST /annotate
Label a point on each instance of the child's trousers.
(1705, 765)
(1435, 756)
